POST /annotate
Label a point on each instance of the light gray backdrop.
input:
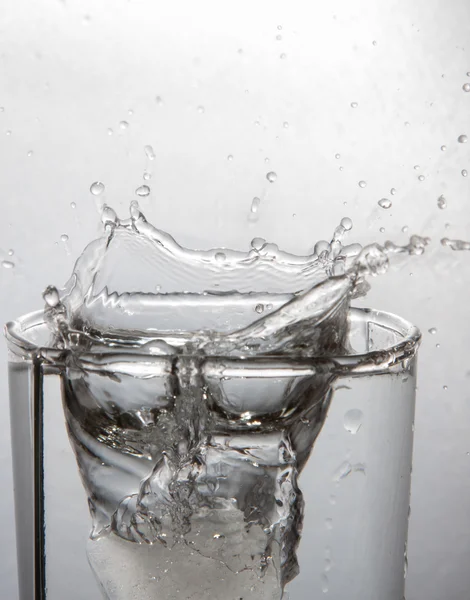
(71, 71)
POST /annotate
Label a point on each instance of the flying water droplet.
(7, 264)
(466, 87)
(354, 105)
(8, 132)
(353, 420)
(149, 152)
(147, 176)
(382, 230)
(421, 178)
(271, 176)
(441, 202)
(385, 203)
(283, 56)
(393, 191)
(123, 124)
(462, 139)
(220, 257)
(346, 223)
(51, 296)
(362, 184)
(143, 191)
(374, 42)
(324, 583)
(130, 112)
(11, 252)
(259, 308)
(444, 387)
(200, 109)
(110, 131)
(230, 157)
(337, 156)
(416, 167)
(64, 237)
(443, 148)
(73, 205)
(30, 153)
(255, 204)
(404, 228)
(159, 100)
(285, 125)
(464, 172)
(432, 331)
(97, 188)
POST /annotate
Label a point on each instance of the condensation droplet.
(7, 264)
(466, 87)
(285, 125)
(441, 202)
(149, 152)
(443, 148)
(354, 105)
(346, 223)
(123, 124)
(393, 191)
(64, 237)
(421, 177)
(362, 184)
(385, 203)
(73, 205)
(220, 257)
(432, 331)
(462, 139)
(200, 109)
(337, 156)
(464, 172)
(143, 191)
(97, 188)
(147, 176)
(259, 308)
(353, 420)
(271, 176)
(255, 204)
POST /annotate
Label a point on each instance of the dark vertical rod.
(38, 448)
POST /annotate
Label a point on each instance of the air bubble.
(354, 105)
(97, 188)
(353, 420)
(346, 223)
(220, 257)
(255, 204)
(149, 152)
(123, 124)
(271, 176)
(143, 191)
(362, 184)
(462, 139)
(385, 203)
(441, 202)
(7, 264)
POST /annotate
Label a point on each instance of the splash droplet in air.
(421, 178)
(353, 420)
(337, 156)
(271, 176)
(393, 191)
(385, 203)
(255, 204)
(466, 87)
(200, 109)
(7, 264)
(64, 237)
(123, 124)
(441, 202)
(285, 125)
(73, 205)
(362, 184)
(11, 252)
(147, 176)
(464, 172)
(432, 330)
(51, 296)
(462, 139)
(97, 188)
(159, 100)
(149, 152)
(455, 244)
(230, 157)
(443, 148)
(143, 191)
(354, 105)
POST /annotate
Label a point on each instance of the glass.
(307, 486)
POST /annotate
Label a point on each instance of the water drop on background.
(441, 202)
(421, 178)
(259, 308)
(362, 184)
(7, 264)
(464, 172)
(271, 176)
(346, 223)
(354, 105)
(337, 156)
(147, 176)
(255, 204)
(11, 252)
(123, 124)
(149, 152)
(73, 205)
(230, 157)
(466, 87)
(97, 188)
(432, 331)
(159, 100)
(143, 191)
(385, 203)
(353, 420)
(278, 37)
(64, 237)
(283, 56)
(393, 191)
(443, 148)
(462, 139)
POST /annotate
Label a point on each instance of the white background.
(70, 70)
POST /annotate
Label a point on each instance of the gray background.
(72, 70)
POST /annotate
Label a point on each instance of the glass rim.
(373, 361)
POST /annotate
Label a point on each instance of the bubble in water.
(51, 296)
(283, 56)
(421, 177)
(123, 124)
(346, 223)
(432, 331)
(354, 104)
(385, 203)
(259, 308)
(353, 420)
(285, 124)
(393, 191)
(97, 188)
(73, 205)
(362, 184)
(441, 202)
(337, 156)
(220, 257)
(147, 176)
(200, 109)
(159, 100)
(255, 205)
(443, 148)
(149, 152)
(64, 237)
(271, 176)
(462, 139)
(464, 172)
(7, 264)
(466, 87)
(230, 157)
(143, 191)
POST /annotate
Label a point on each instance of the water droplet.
(421, 177)
(64, 237)
(329, 523)
(149, 152)
(259, 308)
(443, 148)
(432, 331)
(8, 132)
(97, 188)
(382, 230)
(7, 264)
(2, 108)
(230, 157)
(337, 156)
(462, 139)
(257, 243)
(354, 105)
(279, 27)
(464, 172)
(285, 125)
(393, 191)
(147, 176)
(444, 387)
(466, 87)
(362, 184)
(385, 203)
(159, 100)
(130, 112)
(108, 216)
(217, 536)
(416, 167)
(341, 168)
(407, 123)
(143, 191)
(278, 37)
(200, 109)
(374, 42)
(441, 202)
(51, 296)
(324, 583)
(283, 56)
(11, 252)
(404, 228)
(220, 257)
(346, 223)
(123, 124)
(255, 204)
(353, 420)
(73, 205)
(438, 345)
(110, 131)
(30, 153)
(271, 176)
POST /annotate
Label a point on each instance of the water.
(188, 406)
